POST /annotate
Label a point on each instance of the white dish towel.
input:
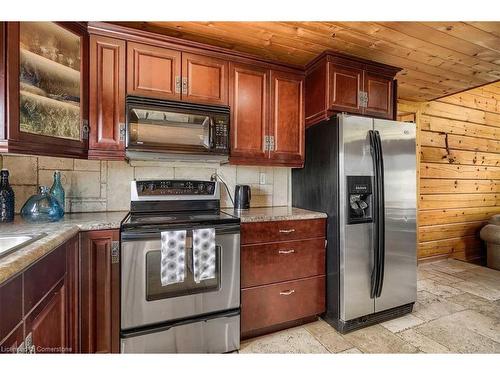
(173, 254)
(203, 254)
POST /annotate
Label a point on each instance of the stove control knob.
(189, 185)
(151, 187)
(201, 187)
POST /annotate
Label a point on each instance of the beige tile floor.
(457, 311)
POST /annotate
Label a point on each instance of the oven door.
(145, 301)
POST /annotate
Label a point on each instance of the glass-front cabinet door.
(47, 67)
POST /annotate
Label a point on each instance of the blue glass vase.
(57, 189)
(42, 207)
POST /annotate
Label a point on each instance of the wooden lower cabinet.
(47, 324)
(100, 292)
(282, 279)
(39, 308)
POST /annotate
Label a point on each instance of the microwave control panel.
(221, 141)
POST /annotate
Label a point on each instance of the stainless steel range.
(190, 314)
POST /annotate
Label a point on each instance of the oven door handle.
(156, 235)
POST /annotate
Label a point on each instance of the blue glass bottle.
(57, 189)
(6, 198)
(42, 207)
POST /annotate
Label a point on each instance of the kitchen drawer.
(281, 261)
(266, 306)
(286, 230)
(11, 306)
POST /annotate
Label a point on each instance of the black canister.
(242, 196)
(6, 198)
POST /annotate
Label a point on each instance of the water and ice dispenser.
(359, 199)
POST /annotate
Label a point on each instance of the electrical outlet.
(262, 178)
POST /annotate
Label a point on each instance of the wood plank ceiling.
(438, 58)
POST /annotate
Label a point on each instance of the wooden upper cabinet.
(380, 96)
(100, 292)
(287, 118)
(107, 98)
(204, 79)
(249, 111)
(153, 71)
(341, 83)
(345, 83)
(44, 88)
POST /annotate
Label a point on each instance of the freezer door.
(400, 266)
(355, 245)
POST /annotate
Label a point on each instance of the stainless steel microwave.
(168, 130)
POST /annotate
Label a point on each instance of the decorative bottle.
(6, 198)
(42, 207)
(57, 189)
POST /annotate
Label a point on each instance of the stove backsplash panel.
(93, 185)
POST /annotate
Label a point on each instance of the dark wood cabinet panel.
(73, 293)
(281, 261)
(107, 98)
(249, 111)
(11, 306)
(204, 79)
(353, 85)
(270, 305)
(287, 118)
(316, 94)
(47, 323)
(345, 85)
(380, 96)
(100, 316)
(40, 278)
(153, 71)
(285, 230)
(12, 343)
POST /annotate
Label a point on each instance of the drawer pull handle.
(287, 231)
(287, 292)
(291, 251)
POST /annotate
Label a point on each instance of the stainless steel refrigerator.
(362, 172)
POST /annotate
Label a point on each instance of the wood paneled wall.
(459, 174)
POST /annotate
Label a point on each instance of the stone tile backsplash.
(93, 185)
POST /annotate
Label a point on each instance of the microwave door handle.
(211, 133)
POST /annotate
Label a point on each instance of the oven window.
(154, 289)
(162, 128)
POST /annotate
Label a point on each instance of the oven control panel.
(158, 188)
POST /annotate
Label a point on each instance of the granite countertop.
(275, 214)
(57, 233)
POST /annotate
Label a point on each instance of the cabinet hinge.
(177, 85)
(363, 99)
(85, 130)
(184, 85)
(122, 132)
(271, 143)
(30, 345)
(266, 143)
(115, 252)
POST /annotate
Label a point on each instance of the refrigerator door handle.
(381, 215)
(375, 214)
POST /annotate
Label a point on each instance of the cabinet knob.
(291, 251)
(184, 85)
(287, 292)
(122, 132)
(287, 231)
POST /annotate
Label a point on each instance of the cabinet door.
(345, 85)
(287, 118)
(380, 100)
(204, 79)
(46, 88)
(107, 98)
(249, 87)
(12, 343)
(47, 323)
(153, 71)
(11, 307)
(100, 315)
